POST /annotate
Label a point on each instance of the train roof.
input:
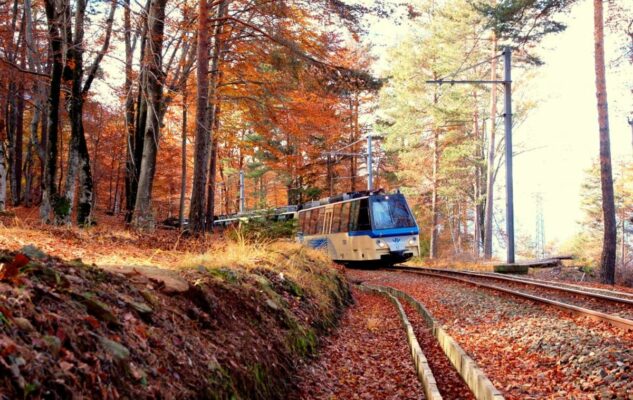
(258, 213)
(341, 197)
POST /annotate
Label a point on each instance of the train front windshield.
(391, 212)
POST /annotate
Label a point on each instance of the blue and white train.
(362, 228)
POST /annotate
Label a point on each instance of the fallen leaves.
(366, 358)
(70, 330)
(10, 270)
(528, 350)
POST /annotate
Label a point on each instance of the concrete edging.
(475, 378)
(422, 368)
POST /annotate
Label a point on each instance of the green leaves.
(524, 21)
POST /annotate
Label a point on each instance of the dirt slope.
(69, 330)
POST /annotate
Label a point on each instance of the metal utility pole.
(507, 117)
(507, 84)
(370, 176)
(369, 158)
(242, 197)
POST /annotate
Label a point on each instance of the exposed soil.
(368, 357)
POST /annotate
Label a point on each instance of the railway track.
(614, 308)
(444, 369)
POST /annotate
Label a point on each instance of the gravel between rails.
(528, 350)
(367, 357)
(602, 305)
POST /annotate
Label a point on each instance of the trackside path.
(528, 350)
(366, 358)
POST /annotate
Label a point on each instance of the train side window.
(320, 217)
(302, 221)
(345, 217)
(353, 216)
(336, 218)
(364, 224)
(311, 221)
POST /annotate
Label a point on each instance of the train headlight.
(380, 244)
(412, 242)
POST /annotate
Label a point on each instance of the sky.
(562, 131)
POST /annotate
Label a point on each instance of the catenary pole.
(369, 164)
(507, 117)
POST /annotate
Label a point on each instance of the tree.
(527, 21)
(50, 197)
(436, 129)
(609, 243)
(153, 93)
(201, 153)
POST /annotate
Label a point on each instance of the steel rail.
(618, 322)
(569, 285)
(528, 283)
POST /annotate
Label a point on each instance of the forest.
(151, 112)
(312, 199)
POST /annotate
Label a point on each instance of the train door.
(327, 223)
(327, 229)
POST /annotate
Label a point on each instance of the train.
(365, 228)
(285, 213)
(361, 228)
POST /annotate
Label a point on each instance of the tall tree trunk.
(131, 165)
(477, 183)
(434, 207)
(74, 71)
(3, 151)
(35, 145)
(28, 175)
(354, 137)
(201, 150)
(213, 167)
(183, 161)
(490, 167)
(12, 122)
(143, 217)
(49, 192)
(16, 168)
(225, 190)
(3, 173)
(609, 243)
(216, 106)
(42, 148)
